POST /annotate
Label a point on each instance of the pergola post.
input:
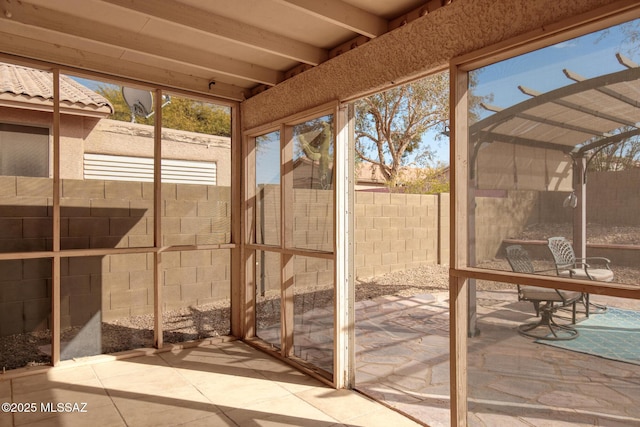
(580, 212)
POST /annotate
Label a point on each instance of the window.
(24, 150)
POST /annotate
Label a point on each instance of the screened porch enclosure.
(293, 196)
(91, 243)
(268, 258)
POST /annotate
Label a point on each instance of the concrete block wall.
(268, 217)
(25, 214)
(196, 214)
(109, 214)
(499, 218)
(25, 295)
(194, 278)
(617, 198)
(112, 287)
(444, 200)
(106, 214)
(612, 199)
(313, 215)
(395, 232)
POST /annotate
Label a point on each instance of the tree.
(181, 113)
(315, 143)
(426, 180)
(624, 154)
(616, 157)
(390, 126)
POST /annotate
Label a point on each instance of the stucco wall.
(133, 139)
(422, 46)
(79, 135)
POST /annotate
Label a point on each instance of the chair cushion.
(599, 274)
(546, 294)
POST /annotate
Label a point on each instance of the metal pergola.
(558, 133)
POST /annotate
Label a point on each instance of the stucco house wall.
(79, 135)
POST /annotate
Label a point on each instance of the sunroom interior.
(128, 233)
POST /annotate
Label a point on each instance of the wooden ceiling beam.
(343, 15)
(225, 28)
(71, 58)
(42, 17)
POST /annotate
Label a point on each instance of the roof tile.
(33, 83)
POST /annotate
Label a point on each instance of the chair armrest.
(597, 259)
(544, 271)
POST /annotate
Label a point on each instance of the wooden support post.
(157, 221)
(344, 347)
(241, 307)
(287, 298)
(286, 239)
(458, 292)
(55, 268)
(459, 239)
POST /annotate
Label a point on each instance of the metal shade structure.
(546, 142)
(531, 145)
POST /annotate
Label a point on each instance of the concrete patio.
(403, 360)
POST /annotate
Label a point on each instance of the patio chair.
(546, 301)
(589, 268)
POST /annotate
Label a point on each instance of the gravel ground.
(212, 320)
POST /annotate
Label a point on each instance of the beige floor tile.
(196, 354)
(241, 393)
(143, 401)
(6, 419)
(53, 377)
(292, 379)
(231, 384)
(340, 404)
(90, 393)
(211, 362)
(5, 391)
(165, 411)
(172, 417)
(127, 367)
(285, 411)
(230, 377)
(152, 381)
(219, 419)
(106, 416)
(381, 418)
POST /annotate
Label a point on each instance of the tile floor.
(225, 384)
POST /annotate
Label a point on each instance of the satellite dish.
(140, 102)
